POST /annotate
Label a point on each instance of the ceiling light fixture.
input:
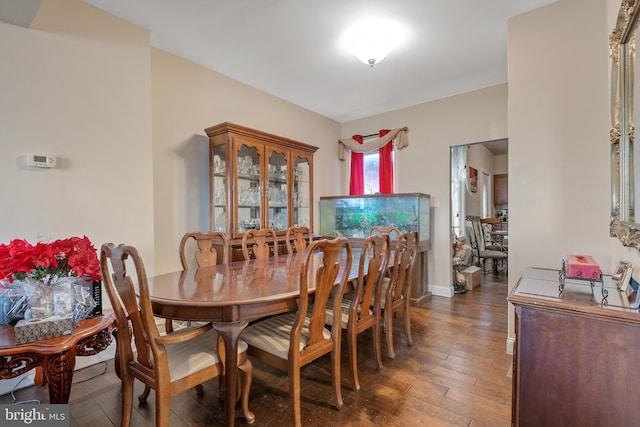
(373, 39)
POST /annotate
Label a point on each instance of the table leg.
(230, 333)
(58, 372)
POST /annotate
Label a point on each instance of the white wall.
(424, 166)
(559, 185)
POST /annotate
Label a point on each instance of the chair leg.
(199, 390)
(335, 374)
(353, 357)
(377, 352)
(407, 321)
(246, 375)
(127, 400)
(294, 395)
(168, 326)
(143, 396)
(388, 326)
(163, 402)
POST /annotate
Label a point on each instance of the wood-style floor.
(455, 374)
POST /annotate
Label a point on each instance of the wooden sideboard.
(577, 355)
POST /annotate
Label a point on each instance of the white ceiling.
(290, 48)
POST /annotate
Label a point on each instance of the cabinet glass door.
(219, 188)
(248, 165)
(301, 192)
(277, 192)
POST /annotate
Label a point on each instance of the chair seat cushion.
(384, 285)
(274, 334)
(195, 355)
(346, 305)
(493, 254)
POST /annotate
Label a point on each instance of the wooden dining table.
(230, 296)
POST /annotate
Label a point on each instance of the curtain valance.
(399, 133)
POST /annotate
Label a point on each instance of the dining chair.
(361, 307)
(210, 246)
(478, 245)
(169, 363)
(255, 243)
(300, 236)
(391, 230)
(211, 249)
(290, 341)
(395, 290)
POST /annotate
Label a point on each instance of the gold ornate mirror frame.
(622, 52)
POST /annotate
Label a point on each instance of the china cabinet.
(257, 180)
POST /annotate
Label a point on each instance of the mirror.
(622, 48)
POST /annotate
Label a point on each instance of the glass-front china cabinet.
(257, 180)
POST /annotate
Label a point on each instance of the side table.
(55, 357)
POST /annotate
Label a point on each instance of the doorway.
(472, 190)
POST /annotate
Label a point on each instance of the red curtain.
(356, 188)
(386, 166)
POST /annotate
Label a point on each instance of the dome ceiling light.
(373, 39)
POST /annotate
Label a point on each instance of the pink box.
(583, 267)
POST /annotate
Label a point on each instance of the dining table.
(230, 296)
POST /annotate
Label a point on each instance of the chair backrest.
(210, 246)
(404, 258)
(130, 309)
(320, 270)
(392, 231)
(255, 242)
(374, 259)
(475, 252)
(477, 231)
(301, 237)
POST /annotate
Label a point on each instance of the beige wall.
(423, 167)
(501, 164)
(188, 98)
(559, 185)
(76, 86)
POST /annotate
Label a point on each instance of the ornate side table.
(55, 358)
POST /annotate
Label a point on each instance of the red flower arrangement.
(49, 262)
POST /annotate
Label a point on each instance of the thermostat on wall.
(41, 161)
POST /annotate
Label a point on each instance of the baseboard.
(511, 342)
(441, 291)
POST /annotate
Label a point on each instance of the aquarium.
(353, 216)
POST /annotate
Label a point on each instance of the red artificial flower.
(49, 261)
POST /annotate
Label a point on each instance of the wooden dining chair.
(396, 289)
(301, 238)
(290, 341)
(361, 307)
(170, 363)
(210, 248)
(392, 231)
(255, 244)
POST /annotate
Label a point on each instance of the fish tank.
(353, 216)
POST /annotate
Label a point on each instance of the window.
(372, 172)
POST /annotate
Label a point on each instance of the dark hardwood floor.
(455, 374)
